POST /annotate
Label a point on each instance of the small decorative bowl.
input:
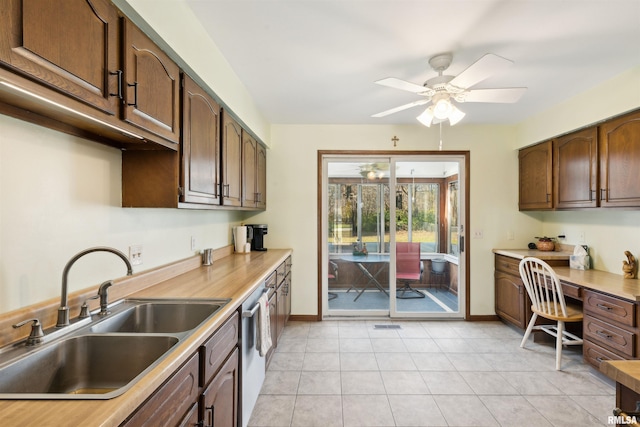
(545, 245)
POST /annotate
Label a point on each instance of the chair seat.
(574, 313)
(407, 276)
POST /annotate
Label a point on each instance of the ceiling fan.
(443, 89)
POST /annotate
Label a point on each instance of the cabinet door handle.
(603, 194)
(225, 190)
(135, 94)
(119, 93)
(604, 335)
(548, 196)
(592, 195)
(599, 359)
(210, 409)
(604, 307)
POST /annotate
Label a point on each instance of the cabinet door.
(231, 161)
(261, 176)
(575, 159)
(169, 405)
(220, 399)
(151, 85)
(620, 161)
(282, 310)
(535, 177)
(273, 320)
(71, 45)
(200, 145)
(249, 167)
(511, 300)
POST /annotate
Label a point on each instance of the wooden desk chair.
(545, 292)
(408, 269)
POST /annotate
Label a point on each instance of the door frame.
(464, 245)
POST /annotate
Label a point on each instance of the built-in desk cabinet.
(610, 327)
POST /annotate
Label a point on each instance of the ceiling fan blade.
(483, 68)
(402, 107)
(503, 95)
(401, 84)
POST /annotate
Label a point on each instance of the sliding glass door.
(391, 228)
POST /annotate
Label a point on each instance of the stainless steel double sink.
(102, 356)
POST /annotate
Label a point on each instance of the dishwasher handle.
(255, 308)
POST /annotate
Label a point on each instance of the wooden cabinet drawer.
(170, 403)
(216, 349)
(271, 281)
(595, 355)
(610, 336)
(281, 272)
(571, 290)
(610, 308)
(287, 263)
(507, 264)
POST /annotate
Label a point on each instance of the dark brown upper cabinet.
(619, 153)
(231, 150)
(254, 171)
(69, 45)
(575, 168)
(151, 85)
(200, 179)
(536, 177)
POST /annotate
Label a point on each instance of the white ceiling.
(315, 61)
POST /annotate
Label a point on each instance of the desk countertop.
(601, 281)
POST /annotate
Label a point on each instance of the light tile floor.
(428, 373)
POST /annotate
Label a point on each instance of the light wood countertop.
(601, 281)
(234, 276)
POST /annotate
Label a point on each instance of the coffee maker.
(256, 233)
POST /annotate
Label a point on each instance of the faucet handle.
(84, 309)
(36, 335)
(104, 297)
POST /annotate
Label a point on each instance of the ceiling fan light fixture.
(426, 118)
(456, 115)
(442, 108)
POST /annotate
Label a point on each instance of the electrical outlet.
(581, 237)
(478, 234)
(135, 254)
(193, 243)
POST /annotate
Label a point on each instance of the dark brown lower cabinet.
(168, 406)
(219, 401)
(204, 391)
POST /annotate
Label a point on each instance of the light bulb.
(442, 109)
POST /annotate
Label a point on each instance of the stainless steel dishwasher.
(253, 365)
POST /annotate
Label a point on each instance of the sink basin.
(86, 366)
(102, 357)
(159, 316)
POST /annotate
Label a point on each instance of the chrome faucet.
(63, 310)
